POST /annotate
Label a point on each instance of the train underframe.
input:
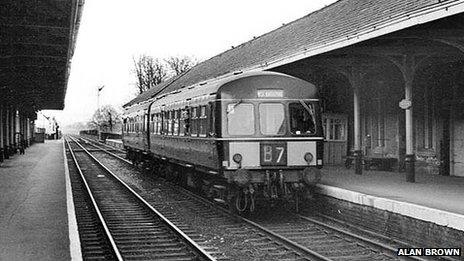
(241, 190)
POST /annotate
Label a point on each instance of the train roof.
(341, 24)
(230, 87)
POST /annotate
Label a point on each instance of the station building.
(36, 47)
(390, 76)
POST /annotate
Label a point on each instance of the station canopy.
(339, 25)
(37, 42)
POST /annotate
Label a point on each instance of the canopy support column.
(356, 78)
(408, 69)
(2, 144)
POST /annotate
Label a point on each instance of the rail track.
(100, 145)
(128, 227)
(308, 237)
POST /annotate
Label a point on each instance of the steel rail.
(299, 248)
(374, 234)
(95, 205)
(358, 237)
(203, 254)
(109, 152)
(99, 143)
(281, 238)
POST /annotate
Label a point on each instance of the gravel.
(232, 239)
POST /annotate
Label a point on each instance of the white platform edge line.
(74, 241)
(439, 217)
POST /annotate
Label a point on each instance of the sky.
(112, 32)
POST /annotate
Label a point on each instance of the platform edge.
(439, 217)
(74, 241)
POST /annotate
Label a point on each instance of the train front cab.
(271, 137)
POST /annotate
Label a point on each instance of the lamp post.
(99, 89)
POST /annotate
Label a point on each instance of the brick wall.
(413, 231)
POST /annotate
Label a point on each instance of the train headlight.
(311, 176)
(237, 158)
(308, 157)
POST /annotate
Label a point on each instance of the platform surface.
(439, 199)
(33, 209)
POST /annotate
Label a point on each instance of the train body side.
(192, 128)
(134, 132)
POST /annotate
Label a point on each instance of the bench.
(376, 162)
(379, 163)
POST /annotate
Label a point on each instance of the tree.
(149, 72)
(105, 119)
(180, 64)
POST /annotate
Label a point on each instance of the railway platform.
(33, 206)
(432, 198)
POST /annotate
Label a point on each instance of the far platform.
(33, 205)
(432, 198)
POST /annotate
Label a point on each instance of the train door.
(335, 134)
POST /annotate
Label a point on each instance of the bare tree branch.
(180, 64)
(105, 118)
(149, 72)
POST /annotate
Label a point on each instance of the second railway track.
(133, 228)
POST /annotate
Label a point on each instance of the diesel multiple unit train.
(243, 138)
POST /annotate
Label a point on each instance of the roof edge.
(406, 20)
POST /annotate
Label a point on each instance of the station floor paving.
(439, 199)
(33, 205)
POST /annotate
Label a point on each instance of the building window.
(335, 128)
(379, 122)
(425, 121)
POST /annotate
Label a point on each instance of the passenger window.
(165, 123)
(185, 124)
(136, 124)
(170, 123)
(144, 123)
(240, 119)
(181, 122)
(203, 122)
(194, 127)
(158, 123)
(152, 123)
(176, 122)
